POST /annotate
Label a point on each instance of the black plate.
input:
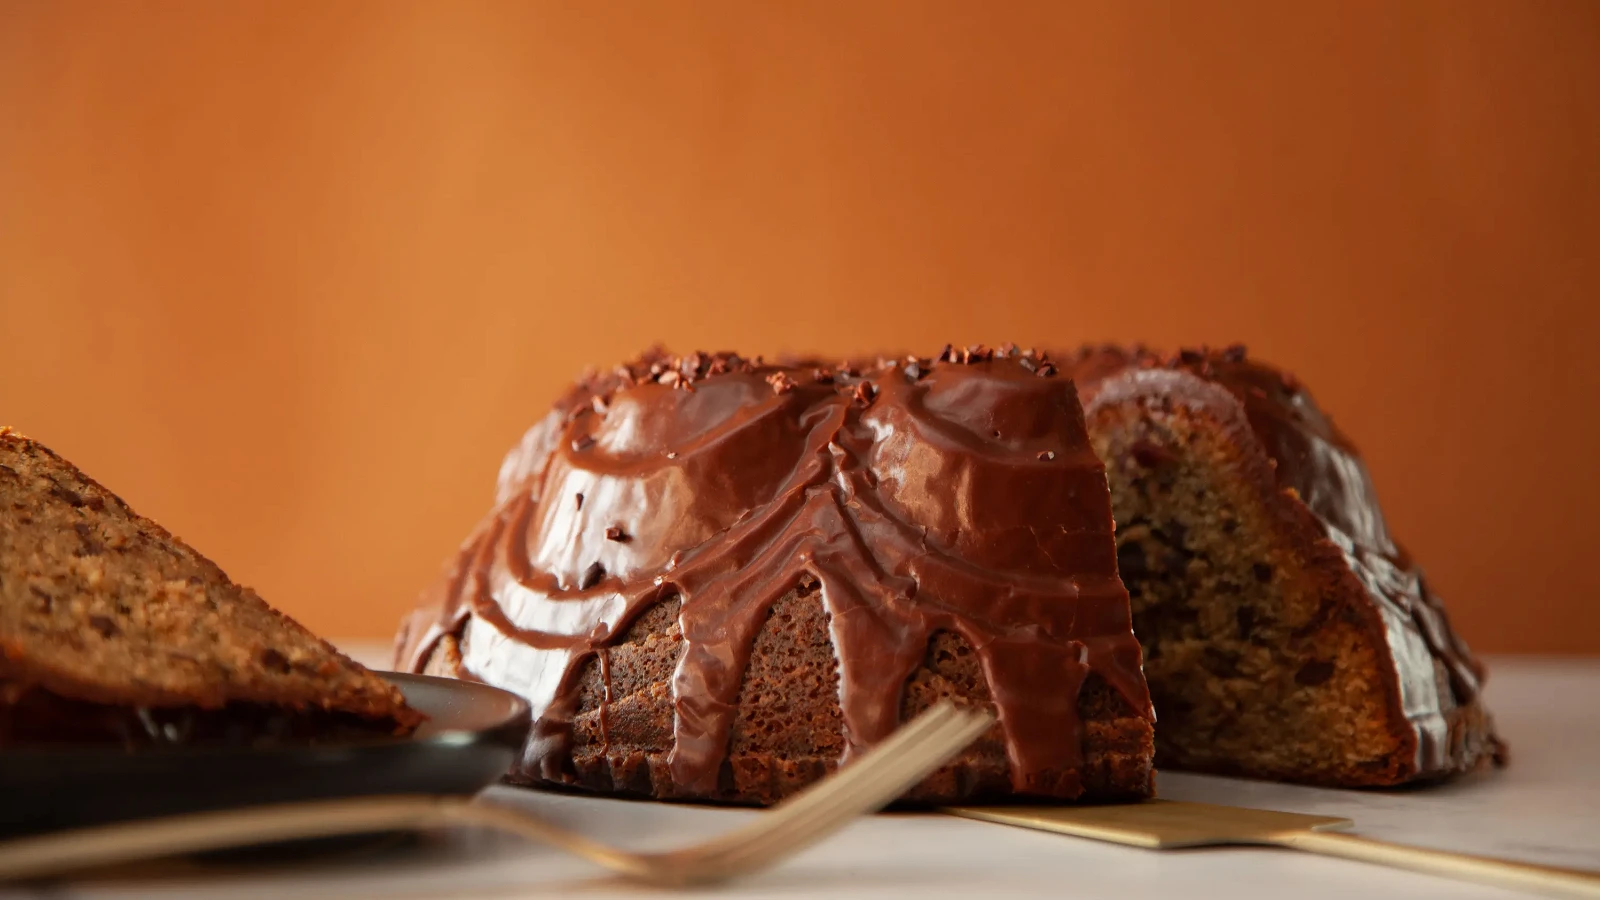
(472, 735)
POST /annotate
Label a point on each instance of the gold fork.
(866, 784)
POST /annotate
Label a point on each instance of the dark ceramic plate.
(472, 735)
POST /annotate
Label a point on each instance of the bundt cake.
(717, 578)
(1286, 634)
(114, 631)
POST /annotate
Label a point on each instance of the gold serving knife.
(1170, 825)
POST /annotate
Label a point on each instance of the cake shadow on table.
(717, 578)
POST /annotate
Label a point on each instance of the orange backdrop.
(292, 276)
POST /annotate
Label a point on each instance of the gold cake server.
(1170, 825)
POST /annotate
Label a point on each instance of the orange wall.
(291, 276)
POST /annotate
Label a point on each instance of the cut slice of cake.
(1286, 634)
(112, 630)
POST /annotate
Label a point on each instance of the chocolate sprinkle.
(781, 382)
(863, 394)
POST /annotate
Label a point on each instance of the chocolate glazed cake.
(1286, 634)
(718, 579)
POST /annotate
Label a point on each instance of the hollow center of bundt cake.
(1253, 669)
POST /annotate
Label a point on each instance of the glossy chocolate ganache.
(957, 494)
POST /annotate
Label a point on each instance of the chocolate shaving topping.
(1047, 454)
(577, 501)
(592, 576)
(582, 442)
(863, 394)
(974, 353)
(615, 533)
(781, 382)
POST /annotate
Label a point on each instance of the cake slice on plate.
(114, 631)
(1287, 635)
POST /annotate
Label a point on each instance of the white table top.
(1544, 808)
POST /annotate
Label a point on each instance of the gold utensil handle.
(63, 852)
(55, 854)
(1483, 869)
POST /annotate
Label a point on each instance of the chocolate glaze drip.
(919, 495)
(1315, 460)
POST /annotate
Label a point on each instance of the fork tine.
(918, 737)
(799, 832)
(877, 778)
(878, 782)
(908, 761)
(889, 779)
(849, 778)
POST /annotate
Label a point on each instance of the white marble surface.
(1544, 808)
